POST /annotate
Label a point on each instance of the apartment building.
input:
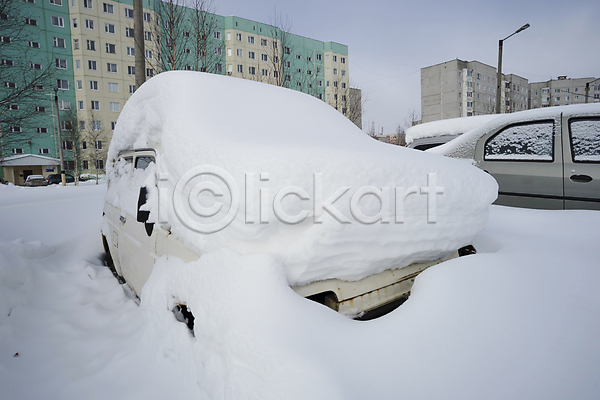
(563, 91)
(460, 88)
(91, 44)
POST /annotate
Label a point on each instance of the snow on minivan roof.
(271, 138)
(452, 126)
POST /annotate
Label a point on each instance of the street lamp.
(60, 150)
(499, 77)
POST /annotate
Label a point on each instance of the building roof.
(28, 159)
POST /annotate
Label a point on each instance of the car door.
(581, 141)
(525, 158)
(139, 235)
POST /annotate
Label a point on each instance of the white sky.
(390, 41)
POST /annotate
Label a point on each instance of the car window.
(142, 162)
(523, 142)
(585, 139)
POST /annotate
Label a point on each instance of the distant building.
(562, 91)
(460, 88)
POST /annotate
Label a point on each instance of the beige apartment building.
(460, 88)
(563, 91)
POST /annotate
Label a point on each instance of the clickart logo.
(207, 199)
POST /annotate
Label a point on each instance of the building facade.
(89, 48)
(460, 88)
(563, 91)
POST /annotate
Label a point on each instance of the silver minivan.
(545, 158)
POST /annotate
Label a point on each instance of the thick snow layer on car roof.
(452, 126)
(464, 145)
(271, 141)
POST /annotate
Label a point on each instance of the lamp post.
(499, 77)
(60, 151)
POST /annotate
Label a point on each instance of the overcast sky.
(390, 41)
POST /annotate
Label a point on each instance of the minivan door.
(581, 141)
(525, 158)
(139, 235)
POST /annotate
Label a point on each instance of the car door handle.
(123, 219)
(580, 178)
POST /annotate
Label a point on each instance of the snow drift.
(269, 139)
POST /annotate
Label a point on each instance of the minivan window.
(585, 139)
(142, 162)
(522, 142)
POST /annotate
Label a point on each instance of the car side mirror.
(142, 216)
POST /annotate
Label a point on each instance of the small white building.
(17, 168)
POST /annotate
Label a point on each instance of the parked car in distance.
(56, 179)
(545, 158)
(435, 133)
(36, 180)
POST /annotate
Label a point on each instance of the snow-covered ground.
(519, 320)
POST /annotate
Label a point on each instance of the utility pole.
(140, 48)
(499, 76)
(60, 149)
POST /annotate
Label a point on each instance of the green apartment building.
(88, 48)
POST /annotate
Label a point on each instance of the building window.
(57, 21)
(80, 108)
(251, 55)
(35, 66)
(13, 107)
(218, 51)
(62, 84)
(82, 128)
(131, 89)
(96, 126)
(240, 68)
(88, 4)
(149, 54)
(99, 164)
(59, 42)
(79, 85)
(238, 37)
(130, 51)
(129, 32)
(264, 57)
(95, 105)
(319, 57)
(113, 87)
(40, 109)
(60, 63)
(263, 42)
(89, 23)
(56, 2)
(129, 13)
(131, 70)
(239, 52)
(17, 151)
(264, 72)
(149, 72)
(147, 35)
(35, 45)
(64, 105)
(147, 17)
(109, 28)
(42, 130)
(92, 65)
(112, 68)
(111, 48)
(8, 63)
(16, 129)
(91, 45)
(75, 44)
(108, 8)
(252, 70)
(113, 125)
(98, 143)
(85, 164)
(93, 85)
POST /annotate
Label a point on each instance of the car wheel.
(108, 261)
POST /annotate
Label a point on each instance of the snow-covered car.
(435, 133)
(545, 158)
(36, 180)
(201, 163)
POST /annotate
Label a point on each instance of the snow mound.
(268, 140)
(452, 126)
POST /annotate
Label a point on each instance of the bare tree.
(169, 35)
(94, 143)
(25, 74)
(206, 42)
(281, 50)
(412, 118)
